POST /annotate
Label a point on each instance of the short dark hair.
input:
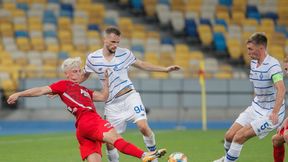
(112, 29)
(258, 38)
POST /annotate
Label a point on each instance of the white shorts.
(123, 109)
(261, 125)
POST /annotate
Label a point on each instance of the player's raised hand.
(173, 68)
(13, 98)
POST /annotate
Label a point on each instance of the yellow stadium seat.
(193, 6)
(238, 17)
(49, 71)
(7, 29)
(223, 15)
(177, 5)
(9, 6)
(152, 58)
(22, 27)
(80, 20)
(153, 34)
(38, 44)
(53, 47)
(150, 7)
(166, 59)
(67, 47)
(219, 28)
(64, 23)
(205, 34)
(234, 48)
(250, 22)
(9, 87)
(277, 52)
(181, 48)
(23, 44)
(18, 13)
(96, 13)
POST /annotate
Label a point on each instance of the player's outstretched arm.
(33, 92)
(280, 95)
(103, 95)
(150, 67)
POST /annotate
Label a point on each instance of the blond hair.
(71, 63)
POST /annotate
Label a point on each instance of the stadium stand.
(37, 35)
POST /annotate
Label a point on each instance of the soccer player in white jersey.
(268, 108)
(124, 103)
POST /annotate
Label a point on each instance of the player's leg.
(139, 117)
(278, 147)
(94, 157)
(229, 135)
(239, 139)
(148, 135)
(125, 147)
(118, 121)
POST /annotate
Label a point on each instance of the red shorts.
(89, 133)
(283, 129)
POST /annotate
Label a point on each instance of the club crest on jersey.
(84, 93)
(116, 68)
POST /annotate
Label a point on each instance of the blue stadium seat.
(137, 5)
(93, 27)
(271, 15)
(23, 6)
(205, 21)
(191, 28)
(66, 10)
(219, 42)
(49, 17)
(138, 48)
(252, 12)
(167, 40)
(225, 2)
(110, 21)
(63, 55)
(164, 2)
(50, 34)
(21, 33)
(221, 22)
(53, 1)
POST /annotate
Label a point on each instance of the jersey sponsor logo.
(84, 93)
(108, 125)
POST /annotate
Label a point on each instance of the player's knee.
(229, 136)
(111, 136)
(239, 137)
(275, 140)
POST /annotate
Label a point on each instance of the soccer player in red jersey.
(281, 137)
(91, 129)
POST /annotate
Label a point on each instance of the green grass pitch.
(199, 146)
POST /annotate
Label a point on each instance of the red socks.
(279, 153)
(128, 148)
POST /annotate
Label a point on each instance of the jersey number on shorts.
(138, 109)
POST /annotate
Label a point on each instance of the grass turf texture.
(197, 145)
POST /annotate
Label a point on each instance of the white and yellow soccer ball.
(177, 157)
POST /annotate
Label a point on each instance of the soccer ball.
(177, 157)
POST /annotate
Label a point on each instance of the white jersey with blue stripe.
(118, 69)
(265, 92)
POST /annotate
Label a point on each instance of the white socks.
(233, 153)
(150, 142)
(226, 145)
(113, 155)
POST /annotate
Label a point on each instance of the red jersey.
(77, 98)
